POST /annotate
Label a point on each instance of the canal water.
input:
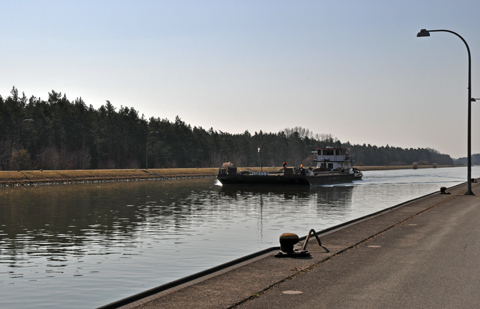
(86, 245)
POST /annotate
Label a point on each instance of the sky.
(353, 69)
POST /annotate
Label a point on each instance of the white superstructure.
(331, 159)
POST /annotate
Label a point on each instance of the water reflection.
(285, 192)
(338, 196)
(323, 194)
(72, 221)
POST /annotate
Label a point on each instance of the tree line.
(60, 134)
(464, 160)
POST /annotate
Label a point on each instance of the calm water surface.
(86, 245)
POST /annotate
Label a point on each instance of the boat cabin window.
(331, 152)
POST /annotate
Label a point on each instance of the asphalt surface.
(423, 254)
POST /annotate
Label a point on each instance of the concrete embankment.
(8, 178)
(420, 254)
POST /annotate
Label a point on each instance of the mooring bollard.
(287, 241)
(443, 190)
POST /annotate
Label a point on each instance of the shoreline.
(14, 178)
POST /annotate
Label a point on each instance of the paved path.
(424, 254)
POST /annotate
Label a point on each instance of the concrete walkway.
(424, 254)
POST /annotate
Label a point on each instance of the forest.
(59, 134)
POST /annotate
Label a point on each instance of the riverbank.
(64, 176)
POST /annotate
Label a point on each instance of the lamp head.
(422, 33)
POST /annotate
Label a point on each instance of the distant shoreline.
(14, 178)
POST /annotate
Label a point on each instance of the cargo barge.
(333, 166)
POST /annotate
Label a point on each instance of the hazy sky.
(353, 69)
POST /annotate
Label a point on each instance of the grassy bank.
(25, 177)
(29, 177)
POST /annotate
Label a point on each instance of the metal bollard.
(287, 241)
(443, 190)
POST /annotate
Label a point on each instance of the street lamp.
(146, 149)
(18, 143)
(425, 33)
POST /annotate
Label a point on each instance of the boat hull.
(284, 180)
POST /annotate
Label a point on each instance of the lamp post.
(425, 33)
(146, 148)
(18, 141)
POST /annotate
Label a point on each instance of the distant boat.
(357, 174)
(333, 166)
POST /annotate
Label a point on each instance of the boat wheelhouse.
(331, 159)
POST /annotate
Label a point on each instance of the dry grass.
(25, 177)
(14, 177)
